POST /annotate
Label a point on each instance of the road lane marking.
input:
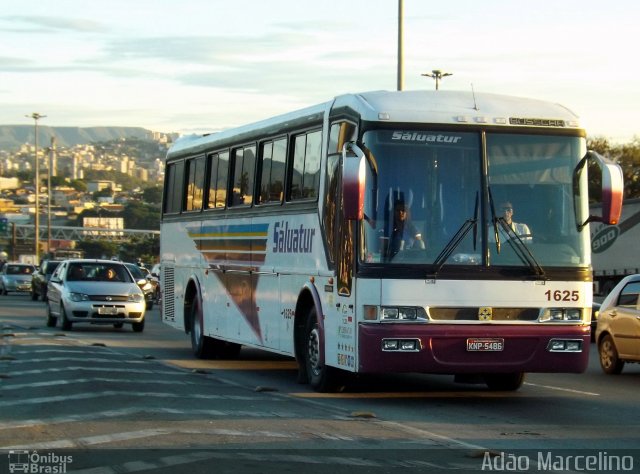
(562, 389)
(127, 395)
(356, 395)
(52, 383)
(126, 412)
(233, 364)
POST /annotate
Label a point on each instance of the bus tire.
(203, 347)
(504, 382)
(321, 377)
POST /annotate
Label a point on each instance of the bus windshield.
(428, 200)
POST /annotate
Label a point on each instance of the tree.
(152, 195)
(140, 215)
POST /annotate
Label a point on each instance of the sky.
(194, 66)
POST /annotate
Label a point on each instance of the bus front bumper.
(472, 349)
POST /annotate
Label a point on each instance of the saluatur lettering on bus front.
(294, 240)
(425, 137)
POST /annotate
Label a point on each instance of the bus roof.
(429, 107)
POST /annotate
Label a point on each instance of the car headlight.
(147, 287)
(78, 297)
(561, 315)
(136, 297)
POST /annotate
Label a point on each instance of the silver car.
(94, 291)
(16, 277)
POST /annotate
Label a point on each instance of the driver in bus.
(520, 229)
(404, 234)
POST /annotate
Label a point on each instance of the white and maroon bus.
(286, 235)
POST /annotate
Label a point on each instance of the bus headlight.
(561, 315)
(394, 313)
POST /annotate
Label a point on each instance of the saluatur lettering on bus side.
(424, 137)
(294, 240)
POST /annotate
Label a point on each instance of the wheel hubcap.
(606, 354)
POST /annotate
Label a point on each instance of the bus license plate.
(108, 310)
(485, 345)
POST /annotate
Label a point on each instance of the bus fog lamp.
(390, 344)
(565, 345)
(408, 345)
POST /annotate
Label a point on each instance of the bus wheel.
(321, 377)
(203, 347)
(504, 382)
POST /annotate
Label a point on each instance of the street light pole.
(36, 116)
(437, 74)
(52, 155)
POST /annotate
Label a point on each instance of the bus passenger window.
(173, 186)
(195, 184)
(273, 158)
(305, 177)
(244, 164)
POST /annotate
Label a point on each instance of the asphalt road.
(98, 399)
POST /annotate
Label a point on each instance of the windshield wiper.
(519, 247)
(456, 239)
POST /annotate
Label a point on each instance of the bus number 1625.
(562, 295)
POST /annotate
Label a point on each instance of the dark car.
(40, 279)
(140, 276)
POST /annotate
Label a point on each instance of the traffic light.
(4, 225)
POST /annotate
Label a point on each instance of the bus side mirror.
(353, 181)
(612, 188)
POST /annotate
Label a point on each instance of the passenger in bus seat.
(404, 234)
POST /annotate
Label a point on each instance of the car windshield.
(19, 270)
(95, 271)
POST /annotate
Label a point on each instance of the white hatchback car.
(94, 291)
(618, 328)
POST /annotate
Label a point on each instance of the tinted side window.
(273, 159)
(305, 176)
(243, 176)
(173, 187)
(218, 165)
(195, 184)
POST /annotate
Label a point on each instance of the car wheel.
(149, 304)
(609, 361)
(320, 376)
(51, 319)
(66, 324)
(504, 382)
(138, 327)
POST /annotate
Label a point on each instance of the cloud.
(49, 24)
